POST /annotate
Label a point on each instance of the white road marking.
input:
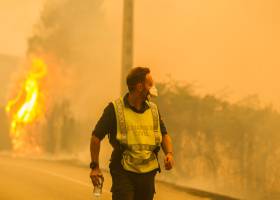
(61, 176)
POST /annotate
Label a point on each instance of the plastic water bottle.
(97, 190)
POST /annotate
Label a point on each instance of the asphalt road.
(29, 179)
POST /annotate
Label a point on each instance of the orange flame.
(26, 108)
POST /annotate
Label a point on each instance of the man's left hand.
(168, 161)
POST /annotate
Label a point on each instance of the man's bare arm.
(95, 148)
(95, 173)
(167, 144)
(168, 151)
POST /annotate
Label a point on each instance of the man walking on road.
(136, 133)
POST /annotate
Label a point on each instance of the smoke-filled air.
(215, 65)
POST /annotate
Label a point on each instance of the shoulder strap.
(122, 124)
(154, 110)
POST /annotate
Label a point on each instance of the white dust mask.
(153, 91)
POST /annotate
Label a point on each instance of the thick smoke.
(222, 147)
(75, 33)
(83, 56)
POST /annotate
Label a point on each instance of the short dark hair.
(136, 75)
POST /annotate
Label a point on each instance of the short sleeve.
(105, 123)
(163, 129)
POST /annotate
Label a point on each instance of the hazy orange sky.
(215, 43)
(17, 18)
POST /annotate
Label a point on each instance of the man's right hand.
(96, 176)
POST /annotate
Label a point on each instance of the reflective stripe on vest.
(138, 157)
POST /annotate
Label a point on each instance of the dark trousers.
(132, 186)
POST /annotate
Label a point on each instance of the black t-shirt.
(107, 124)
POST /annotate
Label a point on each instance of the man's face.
(146, 86)
(149, 82)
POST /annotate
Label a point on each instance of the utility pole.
(127, 42)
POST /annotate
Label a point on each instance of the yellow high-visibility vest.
(140, 134)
